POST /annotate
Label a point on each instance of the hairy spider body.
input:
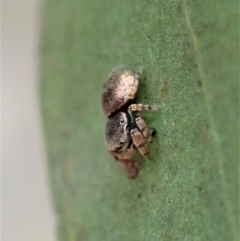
(126, 131)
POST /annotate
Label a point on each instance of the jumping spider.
(126, 131)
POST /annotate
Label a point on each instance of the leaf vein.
(203, 78)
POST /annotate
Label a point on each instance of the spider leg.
(139, 73)
(145, 131)
(132, 167)
(139, 142)
(142, 107)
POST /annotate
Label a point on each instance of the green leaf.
(189, 190)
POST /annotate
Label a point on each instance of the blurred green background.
(190, 54)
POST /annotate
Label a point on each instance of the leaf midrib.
(215, 136)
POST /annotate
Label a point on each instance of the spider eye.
(122, 121)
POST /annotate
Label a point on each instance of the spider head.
(117, 132)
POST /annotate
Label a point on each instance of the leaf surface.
(189, 190)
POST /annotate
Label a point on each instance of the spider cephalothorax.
(126, 131)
